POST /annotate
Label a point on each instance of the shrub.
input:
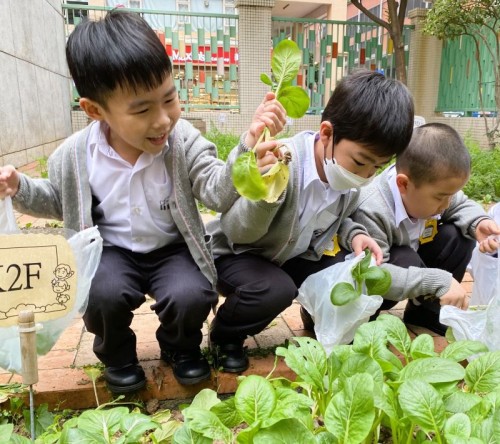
(484, 182)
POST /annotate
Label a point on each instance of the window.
(75, 16)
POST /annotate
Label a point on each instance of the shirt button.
(137, 211)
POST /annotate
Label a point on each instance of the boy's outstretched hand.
(270, 114)
(456, 296)
(361, 241)
(9, 181)
(488, 236)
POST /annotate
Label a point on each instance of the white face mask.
(341, 179)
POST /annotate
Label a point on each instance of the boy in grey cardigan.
(264, 251)
(136, 173)
(425, 225)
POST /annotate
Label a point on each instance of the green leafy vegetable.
(285, 65)
(376, 280)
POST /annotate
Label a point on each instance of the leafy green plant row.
(362, 393)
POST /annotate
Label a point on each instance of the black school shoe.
(125, 379)
(307, 320)
(425, 315)
(189, 366)
(230, 357)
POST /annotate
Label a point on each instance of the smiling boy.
(136, 172)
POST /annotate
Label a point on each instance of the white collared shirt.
(132, 201)
(414, 227)
(318, 203)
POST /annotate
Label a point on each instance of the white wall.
(34, 85)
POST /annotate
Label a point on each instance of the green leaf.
(205, 399)
(360, 363)
(291, 404)
(286, 61)
(457, 426)
(308, 360)
(483, 373)
(370, 339)
(460, 350)
(255, 399)
(245, 436)
(295, 101)
(102, 422)
(422, 347)
(397, 333)
(5, 432)
(166, 431)
(422, 404)
(135, 425)
(246, 177)
(378, 282)
(276, 180)
(227, 413)
(264, 78)
(286, 431)
(207, 424)
(350, 414)
(432, 370)
(461, 402)
(387, 403)
(365, 263)
(79, 436)
(184, 435)
(343, 293)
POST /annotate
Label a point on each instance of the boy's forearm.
(37, 197)
(409, 283)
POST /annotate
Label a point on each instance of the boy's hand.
(362, 241)
(486, 234)
(456, 296)
(9, 181)
(271, 114)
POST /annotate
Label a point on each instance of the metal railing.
(332, 49)
(203, 49)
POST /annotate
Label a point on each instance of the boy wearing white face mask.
(264, 251)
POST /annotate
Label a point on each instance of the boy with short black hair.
(425, 225)
(136, 172)
(264, 251)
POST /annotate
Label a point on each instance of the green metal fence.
(203, 49)
(459, 81)
(331, 49)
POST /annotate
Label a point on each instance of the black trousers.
(183, 298)
(256, 291)
(449, 250)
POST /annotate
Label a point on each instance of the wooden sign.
(37, 273)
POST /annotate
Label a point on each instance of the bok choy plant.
(285, 65)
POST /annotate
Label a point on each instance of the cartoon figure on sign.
(59, 284)
(62, 272)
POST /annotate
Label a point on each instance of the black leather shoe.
(189, 367)
(126, 379)
(423, 316)
(307, 320)
(230, 357)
